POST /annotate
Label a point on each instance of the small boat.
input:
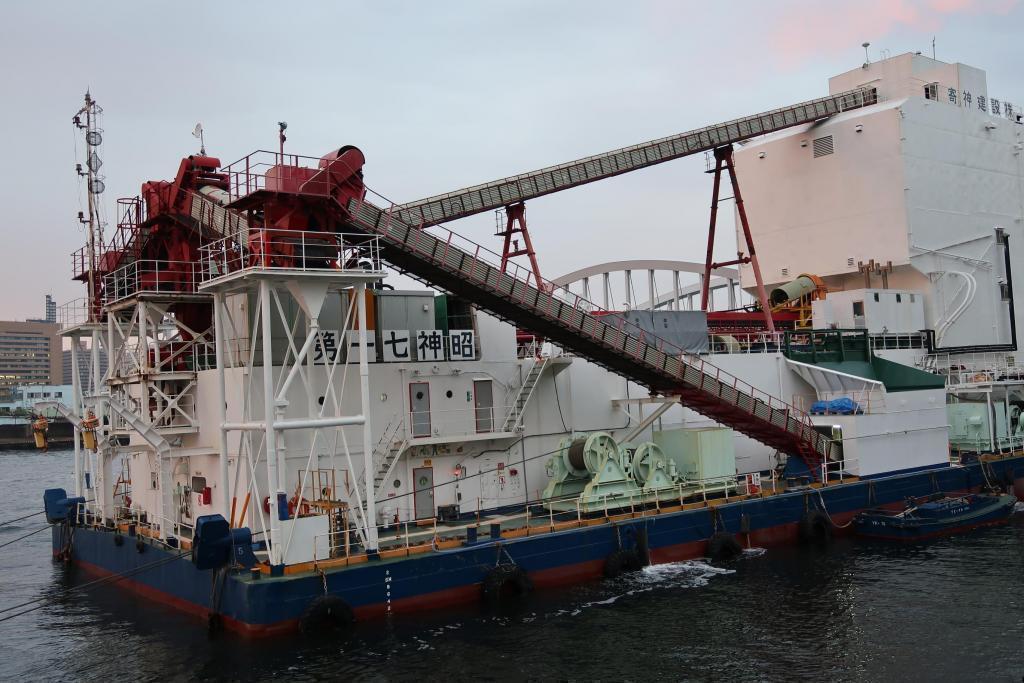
(935, 515)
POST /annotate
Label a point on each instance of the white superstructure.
(929, 180)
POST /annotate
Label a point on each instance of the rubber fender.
(815, 528)
(1008, 477)
(723, 546)
(140, 546)
(622, 561)
(506, 581)
(326, 613)
(118, 540)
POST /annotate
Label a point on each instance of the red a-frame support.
(515, 221)
(724, 160)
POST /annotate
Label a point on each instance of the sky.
(439, 95)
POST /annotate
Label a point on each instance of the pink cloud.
(803, 32)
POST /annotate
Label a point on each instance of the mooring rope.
(31, 533)
(40, 602)
(825, 510)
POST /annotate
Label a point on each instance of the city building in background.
(84, 368)
(30, 353)
(51, 312)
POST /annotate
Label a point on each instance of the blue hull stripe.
(269, 601)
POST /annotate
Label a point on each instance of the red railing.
(292, 173)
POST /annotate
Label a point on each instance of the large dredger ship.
(291, 435)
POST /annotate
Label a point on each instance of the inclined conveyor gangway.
(520, 188)
(443, 259)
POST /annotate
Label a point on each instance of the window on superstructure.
(858, 309)
(899, 299)
(931, 91)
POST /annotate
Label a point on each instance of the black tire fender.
(815, 528)
(621, 561)
(723, 546)
(326, 613)
(505, 581)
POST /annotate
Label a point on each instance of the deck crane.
(331, 196)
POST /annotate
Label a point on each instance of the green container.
(700, 454)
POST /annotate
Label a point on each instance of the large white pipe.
(297, 423)
(364, 393)
(76, 405)
(218, 342)
(273, 485)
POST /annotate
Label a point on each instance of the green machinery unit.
(601, 474)
(975, 427)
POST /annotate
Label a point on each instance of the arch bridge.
(605, 283)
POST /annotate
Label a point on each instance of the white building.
(930, 179)
(25, 397)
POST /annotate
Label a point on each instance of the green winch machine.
(602, 475)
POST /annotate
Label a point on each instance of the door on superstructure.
(419, 408)
(483, 404)
(423, 491)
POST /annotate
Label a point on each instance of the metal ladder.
(385, 454)
(517, 408)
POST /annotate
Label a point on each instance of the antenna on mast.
(933, 47)
(197, 132)
(867, 59)
(86, 120)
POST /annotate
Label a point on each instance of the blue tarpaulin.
(837, 406)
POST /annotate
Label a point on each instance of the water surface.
(952, 609)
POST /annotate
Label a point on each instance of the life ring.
(815, 528)
(266, 504)
(506, 581)
(621, 561)
(326, 613)
(723, 546)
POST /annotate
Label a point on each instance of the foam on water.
(686, 574)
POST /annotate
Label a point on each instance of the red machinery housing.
(291, 214)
